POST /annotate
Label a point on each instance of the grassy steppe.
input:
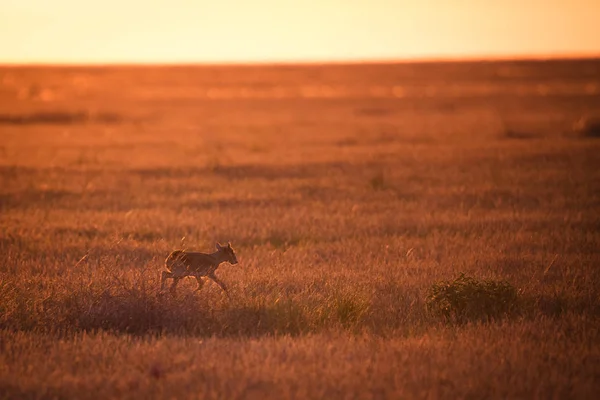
(346, 198)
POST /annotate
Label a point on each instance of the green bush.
(469, 299)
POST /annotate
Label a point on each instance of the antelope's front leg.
(176, 280)
(219, 282)
(163, 277)
(200, 283)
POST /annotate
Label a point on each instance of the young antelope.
(181, 263)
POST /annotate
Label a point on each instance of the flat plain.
(347, 191)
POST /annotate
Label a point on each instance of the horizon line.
(301, 62)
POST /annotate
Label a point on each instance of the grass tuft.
(349, 308)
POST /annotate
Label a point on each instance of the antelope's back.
(199, 262)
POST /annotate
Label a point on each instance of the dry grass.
(345, 205)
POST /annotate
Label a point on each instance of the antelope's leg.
(176, 280)
(200, 283)
(219, 282)
(163, 277)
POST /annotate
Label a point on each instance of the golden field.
(347, 191)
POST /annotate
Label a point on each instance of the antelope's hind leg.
(178, 271)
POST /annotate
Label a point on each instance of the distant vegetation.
(588, 126)
(59, 118)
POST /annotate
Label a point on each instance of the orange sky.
(164, 31)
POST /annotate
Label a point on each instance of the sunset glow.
(161, 31)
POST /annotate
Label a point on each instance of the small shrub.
(466, 299)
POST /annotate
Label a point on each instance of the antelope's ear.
(218, 245)
(229, 244)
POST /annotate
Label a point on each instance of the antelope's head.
(228, 253)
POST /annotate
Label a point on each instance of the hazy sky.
(67, 31)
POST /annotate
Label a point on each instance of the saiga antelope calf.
(181, 263)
